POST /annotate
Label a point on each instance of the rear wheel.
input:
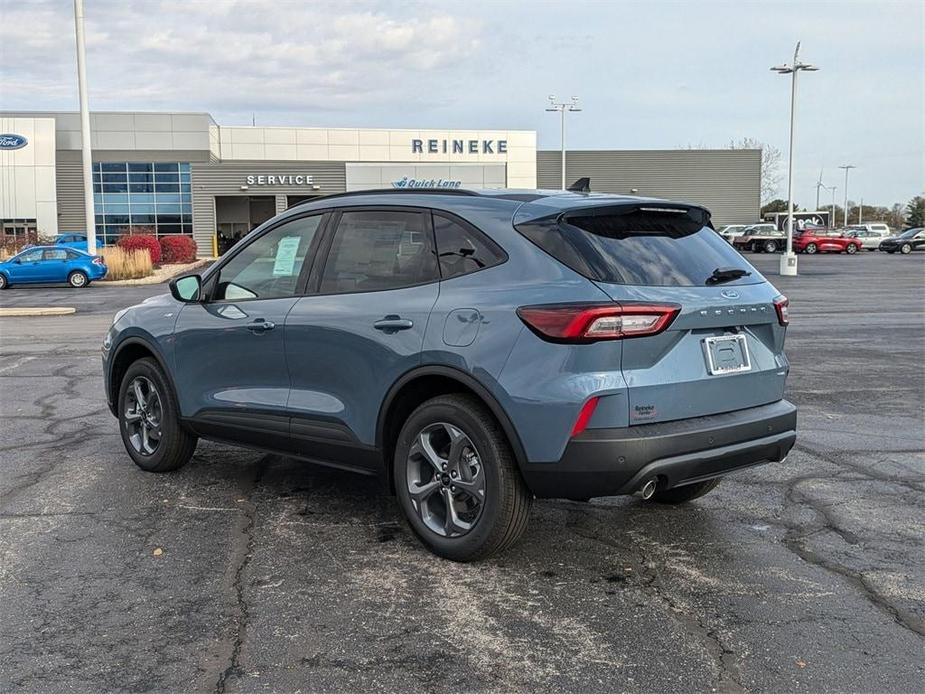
(851, 249)
(770, 246)
(810, 248)
(3, 281)
(149, 420)
(906, 248)
(78, 279)
(456, 479)
(689, 492)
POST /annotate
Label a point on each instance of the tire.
(851, 249)
(770, 246)
(905, 249)
(810, 248)
(681, 495)
(4, 283)
(78, 279)
(496, 509)
(173, 446)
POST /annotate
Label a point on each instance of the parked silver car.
(870, 238)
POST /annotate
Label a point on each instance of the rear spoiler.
(558, 209)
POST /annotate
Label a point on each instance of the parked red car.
(815, 241)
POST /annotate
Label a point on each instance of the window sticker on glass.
(286, 255)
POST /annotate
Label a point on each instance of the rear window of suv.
(656, 247)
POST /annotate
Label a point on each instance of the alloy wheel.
(446, 480)
(811, 248)
(78, 279)
(142, 416)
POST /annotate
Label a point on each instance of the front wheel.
(905, 249)
(3, 281)
(810, 248)
(78, 279)
(149, 420)
(456, 479)
(851, 249)
(689, 492)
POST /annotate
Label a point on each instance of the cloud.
(231, 56)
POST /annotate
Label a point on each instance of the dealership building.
(171, 173)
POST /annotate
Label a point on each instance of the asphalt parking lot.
(251, 573)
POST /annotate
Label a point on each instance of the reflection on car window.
(463, 250)
(376, 249)
(269, 267)
(55, 254)
(31, 256)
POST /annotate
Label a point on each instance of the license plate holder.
(726, 354)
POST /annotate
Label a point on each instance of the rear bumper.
(609, 462)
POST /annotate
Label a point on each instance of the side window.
(55, 254)
(269, 267)
(379, 249)
(463, 249)
(71, 255)
(31, 256)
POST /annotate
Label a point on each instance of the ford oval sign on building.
(11, 141)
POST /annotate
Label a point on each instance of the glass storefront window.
(154, 195)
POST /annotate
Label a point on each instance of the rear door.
(360, 328)
(723, 351)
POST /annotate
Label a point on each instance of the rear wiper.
(726, 274)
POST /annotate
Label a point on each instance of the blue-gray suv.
(475, 349)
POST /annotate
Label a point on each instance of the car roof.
(527, 203)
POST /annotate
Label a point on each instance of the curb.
(40, 311)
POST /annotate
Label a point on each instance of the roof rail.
(391, 191)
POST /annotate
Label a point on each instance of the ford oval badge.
(11, 141)
(729, 294)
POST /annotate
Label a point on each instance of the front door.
(28, 267)
(231, 368)
(348, 342)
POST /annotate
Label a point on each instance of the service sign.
(279, 180)
(12, 141)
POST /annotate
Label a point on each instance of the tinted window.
(642, 248)
(55, 254)
(374, 250)
(462, 249)
(269, 267)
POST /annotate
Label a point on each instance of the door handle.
(261, 326)
(391, 324)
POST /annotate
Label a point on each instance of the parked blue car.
(474, 349)
(51, 265)
(78, 241)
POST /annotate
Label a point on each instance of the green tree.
(915, 211)
(777, 205)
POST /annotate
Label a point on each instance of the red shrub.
(137, 242)
(178, 249)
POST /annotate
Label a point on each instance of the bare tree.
(770, 165)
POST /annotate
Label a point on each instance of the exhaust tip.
(648, 489)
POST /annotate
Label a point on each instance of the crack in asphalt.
(724, 658)
(794, 540)
(243, 552)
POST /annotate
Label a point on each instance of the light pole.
(90, 216)
(847, 168)
(562, 107)
(788, 262)
(832, 220)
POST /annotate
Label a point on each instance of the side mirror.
(187, 289)
(17, 261)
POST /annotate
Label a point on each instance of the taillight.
(782, 306)
(97, 260)
(591, 322)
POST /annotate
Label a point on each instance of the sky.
(650, 75)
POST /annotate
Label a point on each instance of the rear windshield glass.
(642, 248)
